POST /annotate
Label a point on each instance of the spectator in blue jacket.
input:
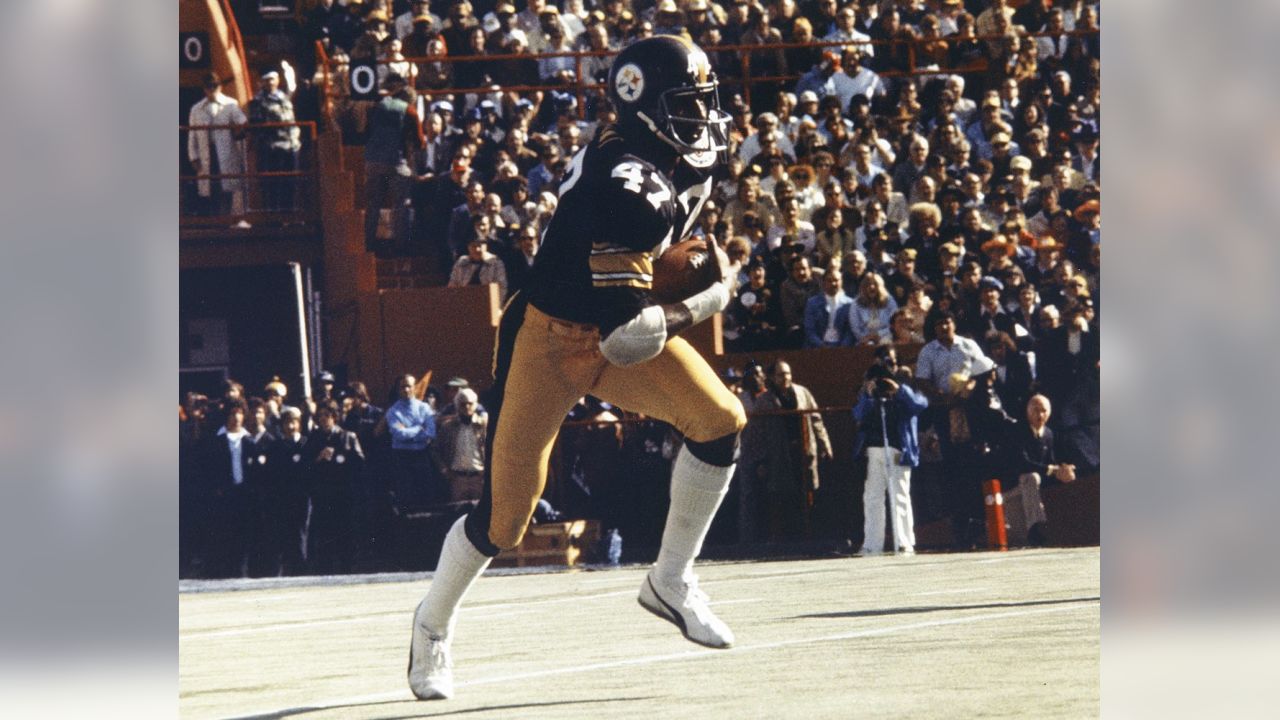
(886, 414)
(412, 425)
(826, 315)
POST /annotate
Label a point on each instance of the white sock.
(460, 564)
(696, 491)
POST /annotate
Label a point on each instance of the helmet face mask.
(663, 86)
(695, 124)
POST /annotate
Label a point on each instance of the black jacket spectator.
(1027, 453)
(336, 460)
(1060, 370)
(286, 501)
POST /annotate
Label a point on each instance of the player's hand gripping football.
(729, 269)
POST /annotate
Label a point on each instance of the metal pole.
(313, 321)
(303, 344)
(888, 477)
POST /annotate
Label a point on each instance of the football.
(684, 269)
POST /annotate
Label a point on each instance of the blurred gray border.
(1189, 503)
(88, 264)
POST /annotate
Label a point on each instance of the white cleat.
(685, 606)
(430, 665)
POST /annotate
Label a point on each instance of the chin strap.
(653, 127)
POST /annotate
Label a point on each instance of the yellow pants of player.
(553, 363)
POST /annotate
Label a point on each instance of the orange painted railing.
(743, 53)
(273, 197)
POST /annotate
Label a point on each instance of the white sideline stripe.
(782, 573)
(404, 693)
(516, 608)
(269, 598)
(735, 602)
(552, 601)
(313, 623)
(957, 591)
(614, 580)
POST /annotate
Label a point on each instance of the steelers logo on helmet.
(665, 90)
(629, 82)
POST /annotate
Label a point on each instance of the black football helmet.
(663, 86)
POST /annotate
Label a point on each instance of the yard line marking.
(957, 591)
(677, 657)
(553, 601)
(781, 573)
(268, 598)
(612, 581)
(276, 627)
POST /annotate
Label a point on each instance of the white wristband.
(708, 302)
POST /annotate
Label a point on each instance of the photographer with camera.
(886, 414)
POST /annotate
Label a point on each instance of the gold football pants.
(542, 366)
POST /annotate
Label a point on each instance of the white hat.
(981, 365)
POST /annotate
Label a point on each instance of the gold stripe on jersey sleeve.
(613, 269)
(633, 282)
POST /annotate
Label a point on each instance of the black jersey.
(617, 212)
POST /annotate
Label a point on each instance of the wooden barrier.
(564, 543)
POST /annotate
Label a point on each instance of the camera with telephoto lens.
(882, 382)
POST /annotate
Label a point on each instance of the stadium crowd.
(933, 178)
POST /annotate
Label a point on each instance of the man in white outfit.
(219, 150)
(886, 414)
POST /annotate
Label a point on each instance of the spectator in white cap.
(807, 104)
(277, 147)
(767, 124)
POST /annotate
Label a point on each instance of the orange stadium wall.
(226, 50)
(449, 331)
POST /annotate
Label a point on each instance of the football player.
(585, 325)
